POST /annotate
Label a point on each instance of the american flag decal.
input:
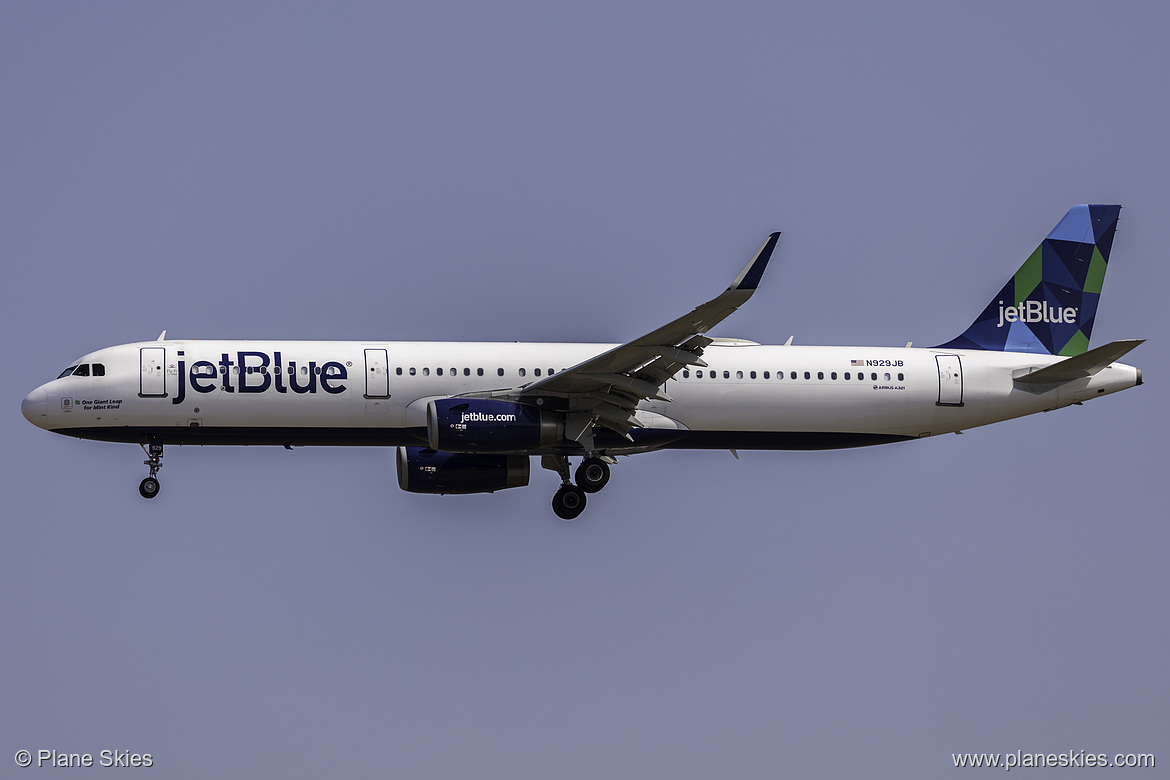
(857, 362)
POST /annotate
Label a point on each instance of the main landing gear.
(148, 488)
(592, 475)
(568, 502)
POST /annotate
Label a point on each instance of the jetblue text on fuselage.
(251, 370)
(487, 417)
(1035, 311)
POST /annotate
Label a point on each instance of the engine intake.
(423, 470)
(485, 425)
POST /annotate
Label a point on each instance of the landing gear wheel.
(569, 502)
(592, 474)
(148, 488)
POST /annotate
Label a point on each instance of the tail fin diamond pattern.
(1048, 307)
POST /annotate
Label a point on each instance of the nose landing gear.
(148, 488)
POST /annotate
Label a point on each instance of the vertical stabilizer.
(1048, 307)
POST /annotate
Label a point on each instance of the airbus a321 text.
(468, 417)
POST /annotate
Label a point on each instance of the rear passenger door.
(950, 380)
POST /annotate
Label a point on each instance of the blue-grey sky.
(535, 171)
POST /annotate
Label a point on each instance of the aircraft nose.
(35, 407)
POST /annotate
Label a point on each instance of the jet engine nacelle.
(423, 470)
(486, 425)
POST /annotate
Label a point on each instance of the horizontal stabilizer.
(1080, 366)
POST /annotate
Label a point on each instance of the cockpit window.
(99, 369)
(82, 370)
(67, 372)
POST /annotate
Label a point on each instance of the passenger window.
(549, 372)
(479, 372)
(848, 375)
(398, 371)
(767, 377)
(752, 375)
(807, 375)
(686, 374)
(521, 372)
(901, 377)
(727, 375)
(438, 372)
(426, 371)
(887, 376)
(467, 371)
(739, 375)
(99, 369)
(500, 371)
(82, 370)
(793, 375)
(873, 377)
(833, 375)
(820, 375)
(412, 370)
(536, 372)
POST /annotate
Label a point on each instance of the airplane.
(468, 417)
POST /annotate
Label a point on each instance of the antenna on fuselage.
(162, 336)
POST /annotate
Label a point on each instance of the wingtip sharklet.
(749, 277)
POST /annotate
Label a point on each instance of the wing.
(606, 389)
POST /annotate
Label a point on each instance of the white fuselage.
(350, 393)
(467, 417)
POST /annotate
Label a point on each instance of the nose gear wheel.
(148, 488)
